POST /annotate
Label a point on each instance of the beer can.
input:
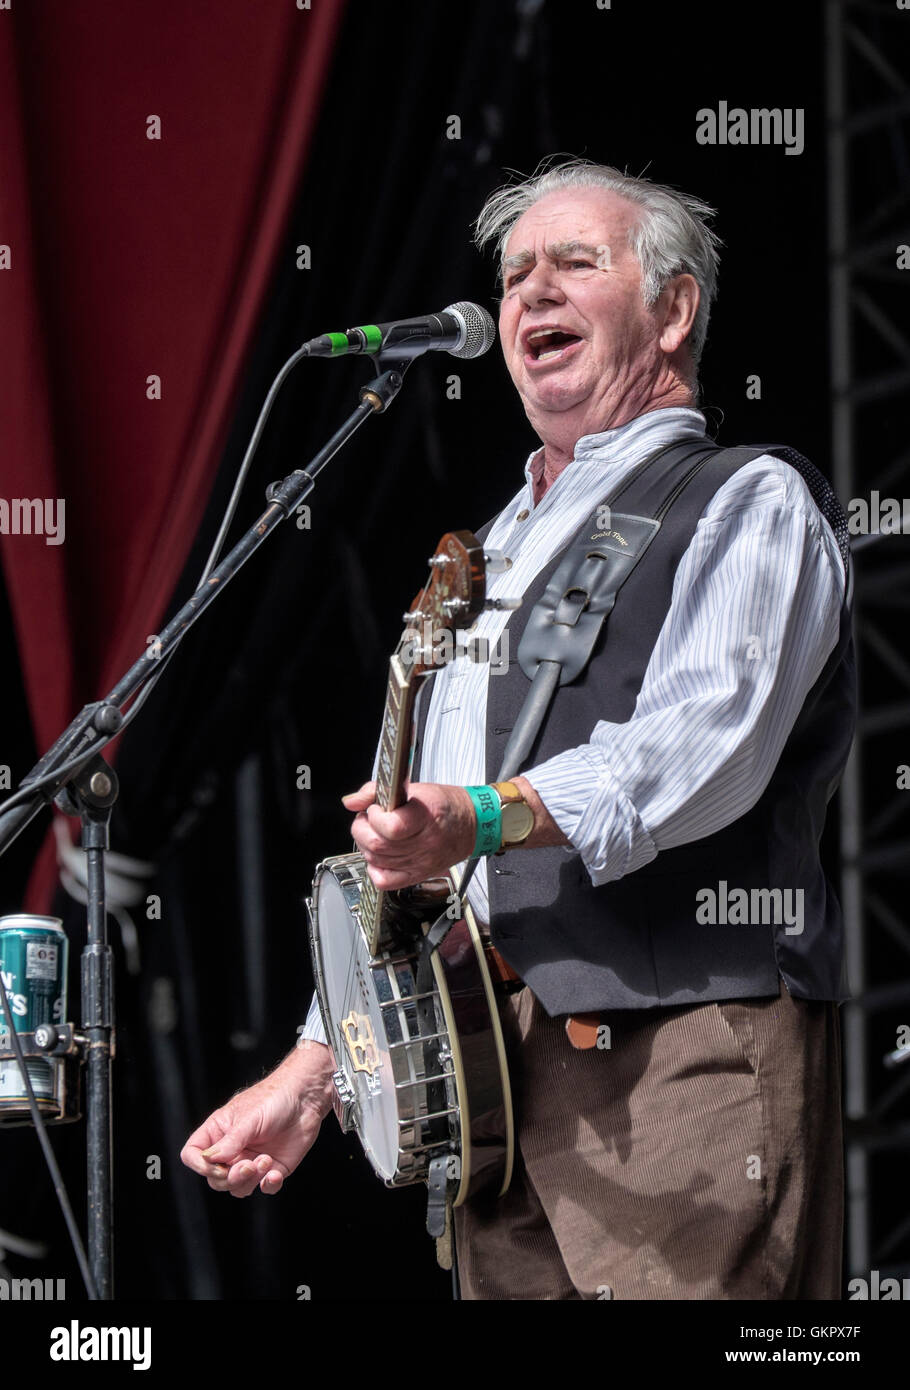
(33, 961)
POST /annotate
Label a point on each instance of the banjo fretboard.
(391, 772)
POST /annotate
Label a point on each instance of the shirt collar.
(629, 442)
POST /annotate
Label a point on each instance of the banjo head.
(371, 1020)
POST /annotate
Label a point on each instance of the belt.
(505, 981)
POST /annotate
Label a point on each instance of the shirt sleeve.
(754, 615)
(313, 1029)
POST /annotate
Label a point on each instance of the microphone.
(463, 329)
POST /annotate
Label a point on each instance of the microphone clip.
(382, 390)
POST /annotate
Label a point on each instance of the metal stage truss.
(867, 57)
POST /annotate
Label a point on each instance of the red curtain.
(148, 161)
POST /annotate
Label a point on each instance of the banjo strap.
(565, 623)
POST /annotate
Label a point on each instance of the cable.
(248, 459)
(49, 1156)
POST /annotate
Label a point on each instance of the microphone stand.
(74, 776)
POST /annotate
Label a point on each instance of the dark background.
(288, 668)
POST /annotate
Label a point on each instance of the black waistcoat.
(636, 942)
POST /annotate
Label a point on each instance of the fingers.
(206, 1162)
(388, 880)
(395, 863)
(223, 1150)
(380, 849)
(193, 1154)
(242, 1178)
(360, 800)
(401, 824)
(223, 1163)
(392, 833)
(390, 868)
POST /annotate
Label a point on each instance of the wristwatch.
(517, 816)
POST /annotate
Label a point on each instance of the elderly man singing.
(666, 883)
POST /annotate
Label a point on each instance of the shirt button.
(523, 515)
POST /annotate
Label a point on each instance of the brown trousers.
(698, 1156)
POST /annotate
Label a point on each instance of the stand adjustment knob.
(46, 1037)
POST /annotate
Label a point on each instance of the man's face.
(567, 266)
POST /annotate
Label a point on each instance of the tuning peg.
(496, 562)
(502, 605)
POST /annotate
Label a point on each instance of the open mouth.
(548, 344)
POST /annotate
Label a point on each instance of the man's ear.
(681, 297)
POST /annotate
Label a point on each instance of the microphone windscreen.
(479, 329)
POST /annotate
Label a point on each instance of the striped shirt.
(762, 578)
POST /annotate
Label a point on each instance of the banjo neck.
(453, 596)
(391, 772)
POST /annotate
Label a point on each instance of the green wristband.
(489, 820)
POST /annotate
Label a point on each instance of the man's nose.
(540, 285)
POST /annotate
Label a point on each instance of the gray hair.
(671, 237)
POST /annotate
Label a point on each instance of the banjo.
(421, 1073)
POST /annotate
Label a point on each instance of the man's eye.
(516, 279)
(584, 264)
